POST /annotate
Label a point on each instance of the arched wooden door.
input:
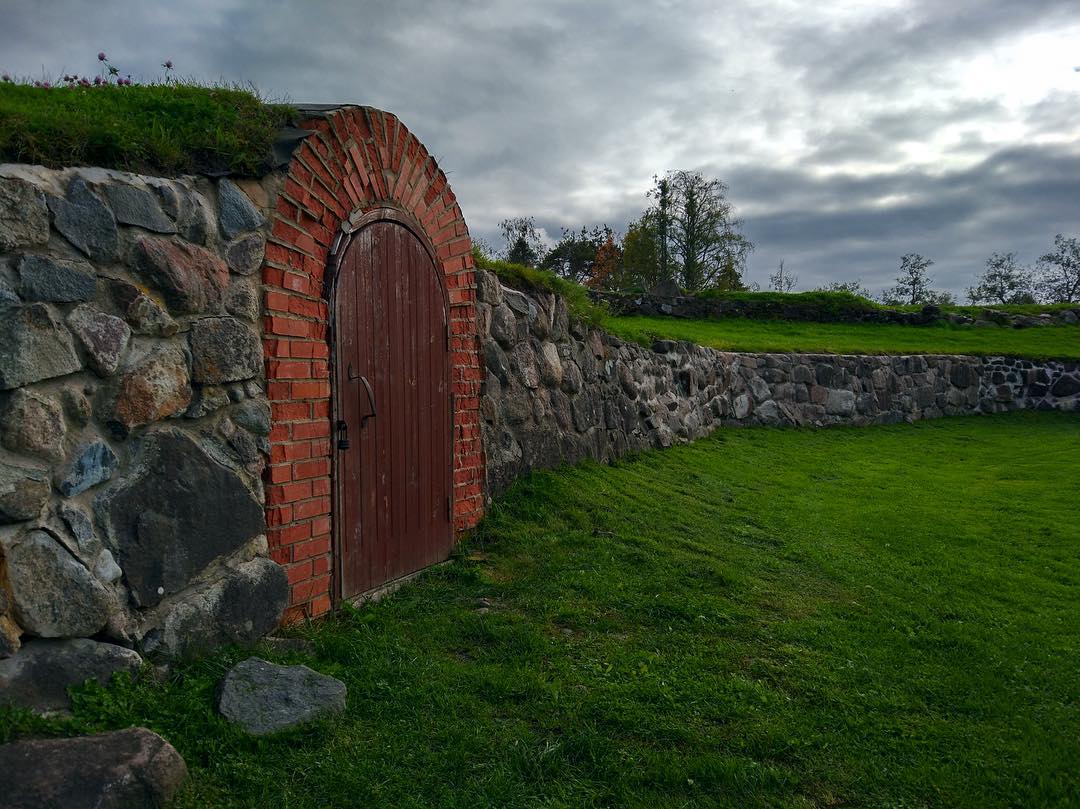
(393, 435)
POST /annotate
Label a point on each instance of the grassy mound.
(531, 279)
(154, 129)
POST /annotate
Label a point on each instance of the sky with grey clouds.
(848, 132)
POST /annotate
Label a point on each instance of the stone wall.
(133, 417)
(559, 392)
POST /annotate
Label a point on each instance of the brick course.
(356, 159)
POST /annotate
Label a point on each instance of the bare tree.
(783, 281)
(1059, 271)
(1003, 281)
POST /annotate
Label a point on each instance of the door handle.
(370, 393)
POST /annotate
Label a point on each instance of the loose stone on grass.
(122, 769)
(38, 677)
(263, 697)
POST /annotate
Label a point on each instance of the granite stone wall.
(559, 392)
(133, 418)
(794, 307)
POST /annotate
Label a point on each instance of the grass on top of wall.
(160, 129)
(856, 617)
(533, 279)
(742, 334)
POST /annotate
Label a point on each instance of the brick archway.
(356, 159)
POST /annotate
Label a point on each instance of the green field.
(740, 334)
(875, 617)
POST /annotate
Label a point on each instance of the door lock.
(343, 434)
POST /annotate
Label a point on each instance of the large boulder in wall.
(175, 512)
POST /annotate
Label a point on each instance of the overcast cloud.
(848, 132)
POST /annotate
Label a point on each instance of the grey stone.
(840, 402)
(39, 676)
(741, 406)
(155, 388)
(23, 492)
(103, 337)
(33, 346)
(245, 255)
(86, 221)
(57, 280)
(209, 399)
(496, 362)
(253, 415)
(224, 350)
(122, 769)
(81, 527)
(166, 534)
(551, 370)
(137, 206)
(237, 609)
(106, 569)
(24, 220)
(191, 278)
(1066, 386)
(236, 213)
(53, 595)
(503, 325)
(76, 403)
(7, 294)
(94, 463)
(242, 300)
(488, 288)
(263, 697)
(33, 424)
(146, 317)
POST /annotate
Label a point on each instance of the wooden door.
(392, 419)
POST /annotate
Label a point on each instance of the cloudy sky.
(848, 131)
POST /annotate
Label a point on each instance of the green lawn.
(738, 334)
(878, 617)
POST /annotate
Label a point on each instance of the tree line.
(689, 236)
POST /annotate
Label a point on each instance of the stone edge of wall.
(130, 359)
(559, 392)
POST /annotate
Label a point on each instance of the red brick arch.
(356, 159)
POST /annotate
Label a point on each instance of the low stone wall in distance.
(557, 392)
(133, 422)
(796, 307)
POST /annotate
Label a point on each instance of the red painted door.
(392, 410)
